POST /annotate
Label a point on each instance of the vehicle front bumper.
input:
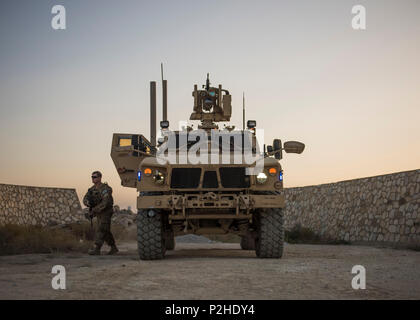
(210, 201)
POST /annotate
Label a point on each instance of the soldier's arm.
(105, 203)
(85, 199)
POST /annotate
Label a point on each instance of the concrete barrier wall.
(37, 205)
(382, 208)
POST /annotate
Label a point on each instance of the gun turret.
(211, 105)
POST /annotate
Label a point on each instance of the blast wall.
(383, 208)
(38, 205)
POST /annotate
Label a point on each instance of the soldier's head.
(96, 177)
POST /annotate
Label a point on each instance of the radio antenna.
(243, 111)
(164, 96)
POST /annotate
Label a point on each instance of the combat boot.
(95, 251)
(113, 250)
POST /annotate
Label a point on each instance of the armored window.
(185, 178)
(234, 177)
(210, 179)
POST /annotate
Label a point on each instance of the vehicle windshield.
(233, 141)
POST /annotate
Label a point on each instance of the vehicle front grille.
(210, 179)
(185, 178)
(234, 177)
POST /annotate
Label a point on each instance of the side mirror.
(269, 149)
(277, 149)
(294, 147)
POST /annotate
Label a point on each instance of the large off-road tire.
(247, 243)
(170, 241)
(270, 233)
(150, 236)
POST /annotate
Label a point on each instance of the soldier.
(99, 200)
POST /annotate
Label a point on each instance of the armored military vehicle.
(214, 195)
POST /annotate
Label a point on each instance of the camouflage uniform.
(102, 200)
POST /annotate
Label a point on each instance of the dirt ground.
(216, 271)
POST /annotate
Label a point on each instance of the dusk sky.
(352, 96)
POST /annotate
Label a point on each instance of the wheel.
(247, 243)
(270, 233)
(150, 236)
(170, 241)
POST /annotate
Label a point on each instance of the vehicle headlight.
(261, 178)
(159, 178)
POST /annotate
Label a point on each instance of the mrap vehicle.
(207, 197)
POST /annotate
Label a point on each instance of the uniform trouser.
(103, 231)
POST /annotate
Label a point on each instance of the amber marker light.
(147, 171)
(272, 171)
